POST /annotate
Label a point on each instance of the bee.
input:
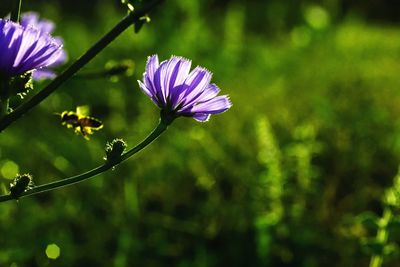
(80, 122)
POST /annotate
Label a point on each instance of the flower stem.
(382, 236)
(4, 96)
(130, 19)
(16, 11)
(161, 127)
(4, 107)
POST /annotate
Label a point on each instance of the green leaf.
(139, 24)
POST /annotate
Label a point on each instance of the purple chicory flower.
(32, 19)
(179, 92)
(46, 27)
(24, 49)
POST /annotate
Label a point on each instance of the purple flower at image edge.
(24, 49)
(47, 27)
(179, 92)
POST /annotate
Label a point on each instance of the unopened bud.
(20, 184)
(114, 150)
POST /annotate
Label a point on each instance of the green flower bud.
(20, 184)
(114, 150)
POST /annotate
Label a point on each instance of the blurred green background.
(311, 142)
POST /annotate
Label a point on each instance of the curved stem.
(161, 127)
(130, 19)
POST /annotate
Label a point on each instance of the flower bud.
(114, 150)
(20, 184)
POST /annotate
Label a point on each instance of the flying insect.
(80, 122)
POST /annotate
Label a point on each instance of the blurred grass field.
(311, 142)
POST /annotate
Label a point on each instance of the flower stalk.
(16, 11)
(131, 18)
(3, 97)
(4, 103)
(161, 127)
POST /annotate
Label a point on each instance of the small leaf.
(139, 24)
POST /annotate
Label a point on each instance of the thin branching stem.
(131, 18)
(161, 127)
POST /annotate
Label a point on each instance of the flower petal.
(177, 78)
(213, 106)
(63, 55)
(44, 73)
(151, 68)
(23, 49)
(32, 19)
(45, 27)
(145, 89)
(208, 93)
(9, 43)
(169, 74)
(180, 73)
(149, 94)
(170, 70)
(159, 84)
(202, 117)
(36, 51)
(195, 83)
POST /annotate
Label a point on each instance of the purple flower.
(46, 27)
(179, 92)
(24, 49)
(32, 19)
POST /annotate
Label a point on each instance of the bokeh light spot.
(317, 17)
(52, 251)
(9, 169)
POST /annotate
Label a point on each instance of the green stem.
(130, 19)
(161, 127)
(4, 107)
(382, 236)
(4, 96)
(16, 11)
